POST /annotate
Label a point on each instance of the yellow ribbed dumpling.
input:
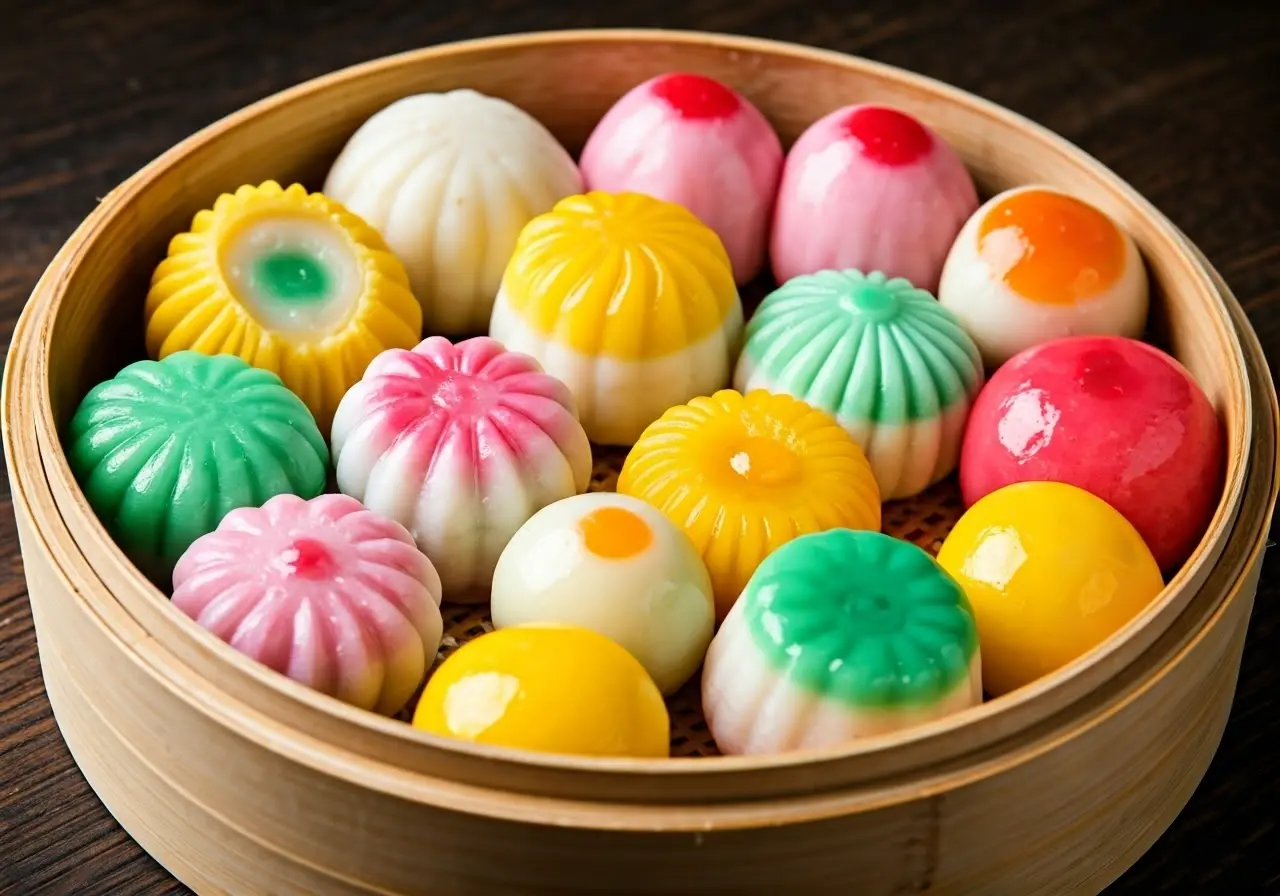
(291, 282)
(628, 299)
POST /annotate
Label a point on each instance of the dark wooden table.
(1180, 98)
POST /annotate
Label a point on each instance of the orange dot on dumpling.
(615, 533)
(1051, 248)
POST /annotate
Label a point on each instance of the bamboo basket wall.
(241, 781)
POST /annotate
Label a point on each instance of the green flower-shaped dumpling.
(840, 634)
(165, 449)
(895, 368)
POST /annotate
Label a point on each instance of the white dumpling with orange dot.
(613, 564)
(1035, 264)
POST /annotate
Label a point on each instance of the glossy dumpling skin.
(449, 179)
(744, 474)
(689, 139)
(1051, 571)
(550, 689)
(165, 449)
(461, 443)
(894, 368)
(840, 635)
(615, 565)
(324, 591)
(291, 282)
(1114, 416)
(1035, 264)
(630, 300)
(870, 187)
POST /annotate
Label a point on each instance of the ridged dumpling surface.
(895, 368)
(324, 591)
(840, 635)
(630, 300)
(460, 443)
(165, 449)
(449, 179)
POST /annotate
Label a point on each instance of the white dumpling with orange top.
(1034, 264)
(616, 565)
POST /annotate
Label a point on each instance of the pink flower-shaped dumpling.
(870, 188)
(693, 141)
(324, 591)
(461, 444)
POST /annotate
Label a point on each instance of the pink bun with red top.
(1113, 416)
(324, 591)
(869, 187)
(460, 443)
(693, 141)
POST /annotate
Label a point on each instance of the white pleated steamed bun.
(449, 180)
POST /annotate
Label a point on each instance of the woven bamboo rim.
(675, 779)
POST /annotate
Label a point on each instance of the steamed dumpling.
(449, 179)
(460, 443)
(630, 300)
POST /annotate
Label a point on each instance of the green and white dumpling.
(840, 635)
(895, 368)
(165, 449)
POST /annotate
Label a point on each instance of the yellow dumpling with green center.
(289, 281)
(613, 564)
(630, 300)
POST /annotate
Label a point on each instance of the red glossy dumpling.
(1113, 416)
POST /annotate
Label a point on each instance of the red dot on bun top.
(694, 96)
(888, 136)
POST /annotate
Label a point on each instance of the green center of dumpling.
(296, 275)
(863, 618)
(293, 275)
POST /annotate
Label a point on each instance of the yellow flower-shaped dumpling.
(291, 282)
(745, 474)
(629, 300)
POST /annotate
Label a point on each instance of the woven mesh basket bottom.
(924, 520)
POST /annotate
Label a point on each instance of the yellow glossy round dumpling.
(547, 688)
(630, 300)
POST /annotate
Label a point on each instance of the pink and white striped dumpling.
(324, 591)
(461, 443)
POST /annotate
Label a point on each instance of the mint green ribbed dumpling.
(895, 368)
(165, 449)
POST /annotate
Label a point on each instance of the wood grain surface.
(1180, 98)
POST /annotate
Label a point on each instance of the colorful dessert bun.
(689, 139)
(460, 443)
(628, 299)
(165, 449)
(1051, 572)
(547, 688)
(291, 282)
(869, 187)
(1114, 416)
(840, 635)
(324, 591)
(449, 179)
(894, 368)
(744, 474)
(616, 565)
(1035, 264)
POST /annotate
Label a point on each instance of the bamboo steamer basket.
(241, 781)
